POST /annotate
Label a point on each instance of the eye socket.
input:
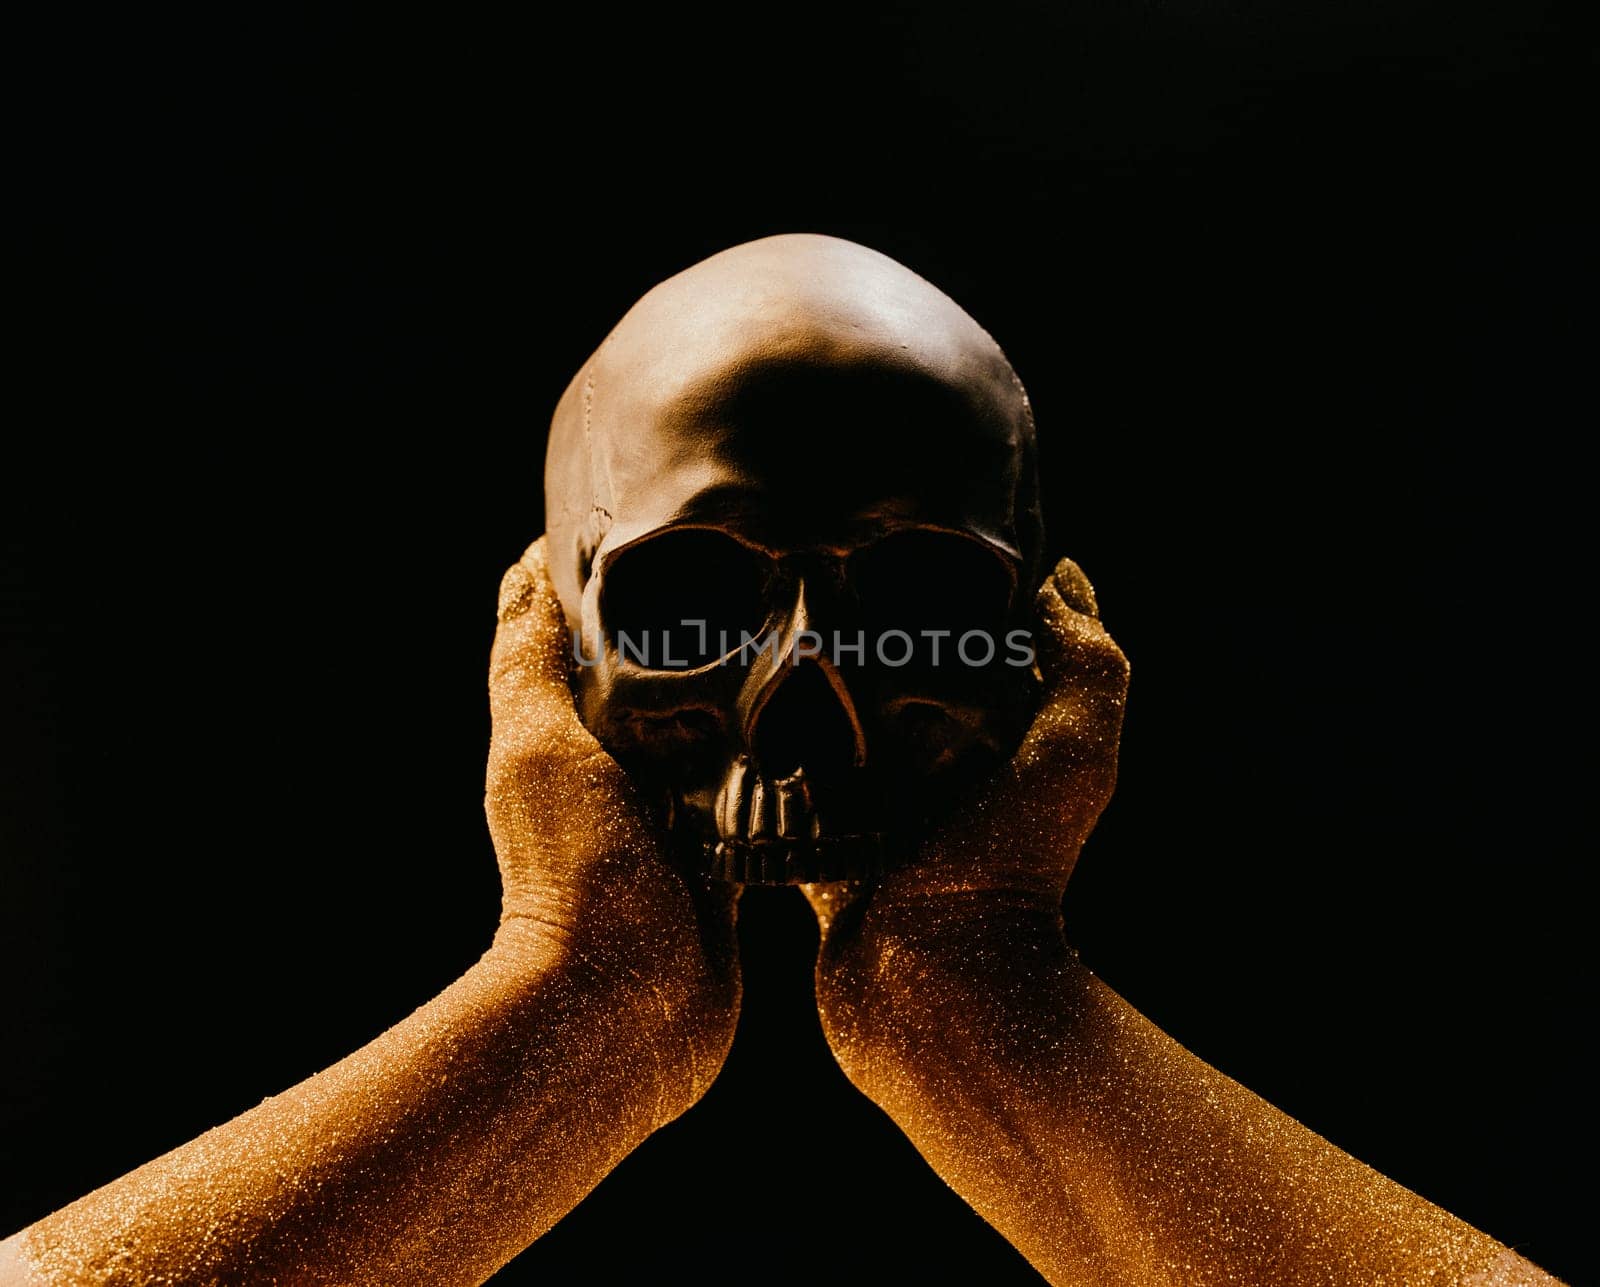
(915, 581)
(691, 575)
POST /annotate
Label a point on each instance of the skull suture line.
(800, 446)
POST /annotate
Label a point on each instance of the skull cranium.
(778, 460)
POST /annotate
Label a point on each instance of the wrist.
(881, 945)
(909, 979)
(675, 1010)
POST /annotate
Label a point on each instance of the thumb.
(1075, 652)
(528, 663)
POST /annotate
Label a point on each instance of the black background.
(1298, 294)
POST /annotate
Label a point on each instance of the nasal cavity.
(804, 724)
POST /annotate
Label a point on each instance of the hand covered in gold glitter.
(1098, 1147)
(993, 873)
(581, 867)
(444, 1146)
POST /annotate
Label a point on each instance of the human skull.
(783, 464)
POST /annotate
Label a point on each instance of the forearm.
(432, 1155)
(1104, 1151)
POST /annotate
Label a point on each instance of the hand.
(985, 889)
(582, 870)
(1098, 1147)
(447, 1144)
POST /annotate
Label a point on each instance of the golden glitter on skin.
(1104, 1151)
(435, 1154)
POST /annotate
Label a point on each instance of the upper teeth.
(754, 808)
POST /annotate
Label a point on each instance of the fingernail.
(1074, 588)
(516, 592)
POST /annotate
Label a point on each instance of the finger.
(529, 658)
(1075, 589)
(1074, 650)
